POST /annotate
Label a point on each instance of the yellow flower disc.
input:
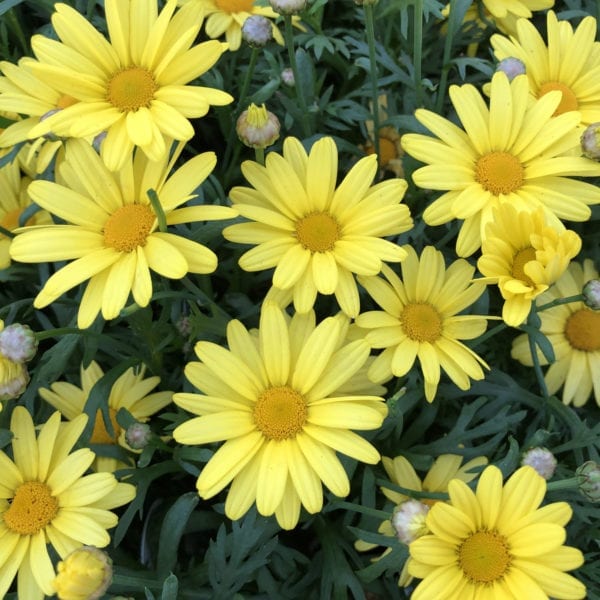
(131, 89)
(280, 412)
(568, 101)
(582, 330)
(484, 556)
(128, 227)
(235, 6)
(100, 434)
(421, 322)
(318, 232)
(499, 172)
(31, 509)
(521, 258)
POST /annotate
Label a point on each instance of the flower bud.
(589, 480)
(288, 7)
(18, 343)
(542, 460)
(257, 31)
(287, 76)
(85, 574)
(138, 435)
(13, 378)
(591, 294)
(409, 520)
(257, 127)
(590, 141)
(511, 66)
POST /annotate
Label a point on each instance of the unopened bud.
(287, 76)
(85, 574)
(288, 7)
(591, 294)
(590, 141)
(542, 460)
(257, 127)
(18, 343)
(257, 31)
(13, 378)
(511, 66)
(408, 520)
(138, 435)
(589, 480)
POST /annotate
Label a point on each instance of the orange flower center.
(100, 434)
(568, 101)
(280, 412)
(318, 232)
(582, 330)
(520, 259)
(499, 173)
(31, 509)
(484, 556)
(10, 220)
(235, 6)
(131, 89)
(128, 227)
(421, 322)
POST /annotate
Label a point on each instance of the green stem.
(365, 510)
(247, 80)
(564, 484)
(53, 333)
(259, 154)
(533, 320)
(411, 493)
(441, 93)
(559, 301)
(158, 210)
(289, 43)
(418, 51)
(370, 27)
(488, 334)
(6, 232)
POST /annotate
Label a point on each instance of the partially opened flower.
(573, 329)
(277, 403)
(134, 86)
(515, 151)
(131, 391)
(524, 256)
(496, 543)
(85, 574)
(506, 14)
(317, 235)
(112, 233)
(47, 499)
(569, 62)
(420, 320)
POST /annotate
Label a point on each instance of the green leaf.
(170, 588)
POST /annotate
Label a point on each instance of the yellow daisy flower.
(574, 331)
(14, 199)
(524, 256)
(506, 13)
(228, 16)
(276, 403)
(47, 499)
(399, 471)
(318, 236)
(390, 150)
(496, 543)
(513, 151)
(420, 320)
(133, 87)
(569, 63)
(130, 391)
(111, 231)
(85, 574)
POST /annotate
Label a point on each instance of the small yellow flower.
(85, 574)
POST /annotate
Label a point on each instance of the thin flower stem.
(445, 61)
(259, 154)
(53, 333)
(247, 80)
(158, 210)
(564, 484)
(370, 27)
(365, 510)
(559, 301)
(532, 320)
(418, 51)
(6, 232)
(488, 334)
(289, 43)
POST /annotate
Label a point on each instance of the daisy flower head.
(283, 403)
(569, 62)
(227, 17)
(515, 151)
(14, 200)
(317, 235)
(408, 518)
(573, 329)
(111, 233)
(133, 87)
(131, 391)
(420, 320)
(524, 256)
(506, 13)
(47, 499)
(496, 542)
